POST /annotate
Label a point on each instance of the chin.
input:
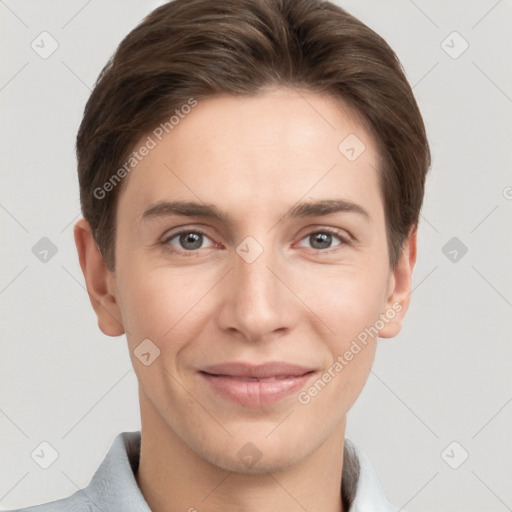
(258, 457)
(263, 466)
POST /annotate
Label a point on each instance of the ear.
(99, 280)
(399, 288)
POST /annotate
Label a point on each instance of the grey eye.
(191, 241)
(322, 240)
(188, 241)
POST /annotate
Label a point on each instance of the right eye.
(186, 240)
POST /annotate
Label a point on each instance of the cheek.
(346, 299)
(163, 304)
(350, 308)
(150, 305)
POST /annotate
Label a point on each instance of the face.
(251, 251)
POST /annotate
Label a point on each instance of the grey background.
(445, 378)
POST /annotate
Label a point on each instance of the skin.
(253, 158)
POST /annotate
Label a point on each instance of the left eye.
(323, 239)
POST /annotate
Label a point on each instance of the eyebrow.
(210, 211)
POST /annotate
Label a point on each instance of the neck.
(174, 478)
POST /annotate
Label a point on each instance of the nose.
(258, 302)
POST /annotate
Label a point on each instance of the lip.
(256, 385)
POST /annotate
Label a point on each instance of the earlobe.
(99, 281)
(399, 295)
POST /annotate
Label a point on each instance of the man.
(251, 176)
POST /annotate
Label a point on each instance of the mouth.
(256, 385)
(254, 379)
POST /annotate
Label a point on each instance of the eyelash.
(344, 239)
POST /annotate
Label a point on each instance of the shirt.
(113, 487)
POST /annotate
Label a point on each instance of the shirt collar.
(367, 494)
(114, 487)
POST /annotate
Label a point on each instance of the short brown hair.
(200, 48)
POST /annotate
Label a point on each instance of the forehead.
(255, 153)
